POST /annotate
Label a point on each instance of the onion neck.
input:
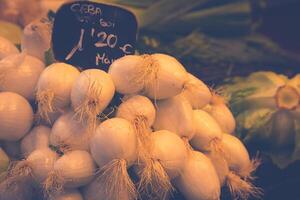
(287, 97)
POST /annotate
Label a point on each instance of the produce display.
(266, 106)
(169, 132)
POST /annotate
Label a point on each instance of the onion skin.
(76, 168)
(7, 48)
(124, 74)
(175, 115)
(41, 161)
(169, 79)
(206, 131)
(37, 138)
(67, 132)
(170, 150)
(22, 79)
(114, 139)
(199, 179)
(197, 93)
(14, 108)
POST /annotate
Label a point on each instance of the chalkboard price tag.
(93, 35)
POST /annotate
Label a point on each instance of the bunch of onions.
(71, 170)
(114, 149)
(157, 76)
(168, 156)
(7, 48)
(197, 93)
(218, 109)
(37, 138)
(140, 111)
(199, 179)
(37, 166)
(16, 116)
(54, 88)
(69, 134)
(176, 115)
(19, 73)
(91, 93)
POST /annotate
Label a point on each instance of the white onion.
(19, 73)
(70, 194)
(199, 179)
(176, 115)
(16, 116)
(140, 111)
(37, 138)
(72, 170)
(41, 162)
(114, 149)
(7, 48)
(36, 38)
(70, 134)
(221, 113)
(54, 88)
(207, 132)
(168, 155)
(158, 76)
(96, 191)
(124, 72)
(237, 156)
(91, 94)
(197, 93)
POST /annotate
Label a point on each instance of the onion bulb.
(54, 88)
(37, 138)
(140, 111)
(114, 148)
(168, 155)
(67, 134)
(158, 76)
(91, 94)
(72, 170)
(96, 191)
(239, 187)
(197, 93)
(237, 156)
(208, 133)
(19, 73)
(70, 194)
(199, 179)
(7, 48)
(16, 116)
(176, 115)
(37, 165)
(221, 113)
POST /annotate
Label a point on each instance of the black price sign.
(93, 35)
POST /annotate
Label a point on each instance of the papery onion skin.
(22, 79)
(41, 161)
(168, 80)
(7, 48)
(114, 139)
(206, 131)
(124, 72)
(76, 168)
(67, 132)
(170, 150)
(176, 115)
(37, 138)
(199, 179)
(197, 93)
(16, 116)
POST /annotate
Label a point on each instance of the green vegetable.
(267, 110)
